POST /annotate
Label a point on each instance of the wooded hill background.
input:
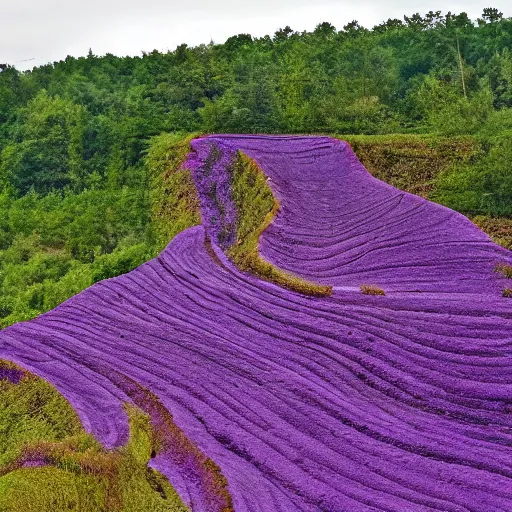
(82, 140)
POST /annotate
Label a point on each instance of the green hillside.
(92, 186)
(86, 188)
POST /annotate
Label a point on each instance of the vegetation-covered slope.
(346, 402)
(80, 202)
(49, 464)
(468, 174)
(56, 245)
(90, 188)
(237, 206)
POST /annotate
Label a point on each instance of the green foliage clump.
(45, 150)
(482, 187)
(256, 207)
(38, 425)
(447, 113)
(370, 289)
(31, 411)
(54, 245)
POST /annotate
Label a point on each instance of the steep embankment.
(426, 165)
(340, 403)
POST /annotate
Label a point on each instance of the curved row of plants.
(237, 206)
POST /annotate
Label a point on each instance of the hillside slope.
(340, 403)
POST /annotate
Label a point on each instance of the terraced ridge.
(237, 206)
(351, 402)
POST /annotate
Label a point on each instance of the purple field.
(349, 403)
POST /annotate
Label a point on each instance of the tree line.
(87, 119)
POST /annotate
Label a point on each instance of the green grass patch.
(505, 270)
(173, 195)
(38, 426)
(507, 292)
(257, 207)
(370, 289)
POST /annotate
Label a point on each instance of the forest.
(81, 139)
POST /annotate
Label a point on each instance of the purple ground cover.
(210, 162)
(350, 403)
(12, 375)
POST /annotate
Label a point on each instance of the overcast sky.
(49, 30)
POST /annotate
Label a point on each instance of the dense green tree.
(353, 79)
(46, 150)
(492, 14)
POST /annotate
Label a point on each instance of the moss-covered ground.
(48, 463)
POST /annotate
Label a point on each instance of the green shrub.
(370, 289)
(481, 187)
(54, 246)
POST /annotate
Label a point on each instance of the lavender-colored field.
(348, 403)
